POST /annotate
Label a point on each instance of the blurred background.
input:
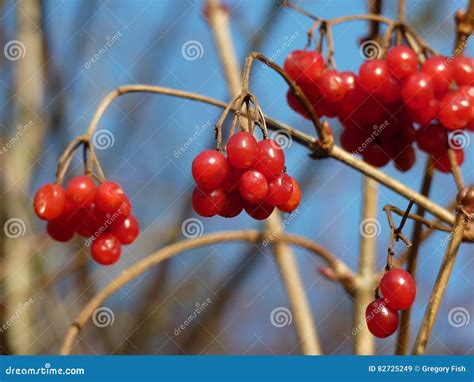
(60, 58)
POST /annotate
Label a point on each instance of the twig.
(340, 269)
(440, 284)
(455, 170)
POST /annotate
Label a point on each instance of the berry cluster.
(381, 105)
(101, 213)
(398, 290)
(252, 177)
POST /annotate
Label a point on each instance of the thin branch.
(339, 268)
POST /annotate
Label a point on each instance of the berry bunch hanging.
(380, 107)
(102, 213)
(398, 291)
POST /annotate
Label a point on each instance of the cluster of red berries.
(398, 290)
(380, 106)
(252, 177)
(101, 213)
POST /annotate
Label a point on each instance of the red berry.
(280, 190)
(425, 115)
(389, 90)
(417, 91)
(50, 201)
(304, 65)
(209, 169)
(88, 221)
(60, 230)
(295, 104)
(375, 155)
(208, 203)
(398, 289)
(233, 205)
(455, 111)
(81, 191)
(109, 196)
(231, 182)
(106, 249)
(271, 158)
(405, 159)
(401, 61)
(123, 212)
(349, 80)
(331, 86)
(372, 73)
(432, 139)
(258, 211)
(253, 186)
(295, 198)
(381, 320)
(463, 70)
(442, 163)
(242, 150)
(126, 231)
(439, 72)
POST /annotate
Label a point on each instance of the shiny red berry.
(50, 201)
(259, 211)
(253, 186)
(439, 71)
(209, 169)
(442, 163)
(417, 90)
(242, 150)
(126, 231)
(401, 61)
(109, 196)
(88, 220)
(304, 65)
(295, 198)
(81, 190)
(425, 115)
(463, 70)
(331, 86)
(432, 139)
(106, 249)
(372, 73)
(233, 205)
(406, 159)
(208, 203)
(375, 155)
(381, 320)
(280, 190)
(271, 158)
(398, 289)
(60, 230)
(455, 111)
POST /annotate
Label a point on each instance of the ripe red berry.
(417, 91)
(106, 249)
(349, 80)
(389, 90)
(109, 196)
(455, 111)
(208, 203)
(295, 198)
(232, 180)
(271, 158)
(439, 72)
(242, 150)
(304, 66)
(253, 186)
(60, 230)
(381, 320)
(50, 201)
(258, 211)
(81, 191)
(209, 169)
(425, 115)
(280, 190)
(233, 205)
(398, 289)
(405, 159)
(87, 221)
(331, 86)
(463, 70)
(125, 231)
(401, 61)
(442, 163)
(375, 155)
(372, 73)
(432, 139)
